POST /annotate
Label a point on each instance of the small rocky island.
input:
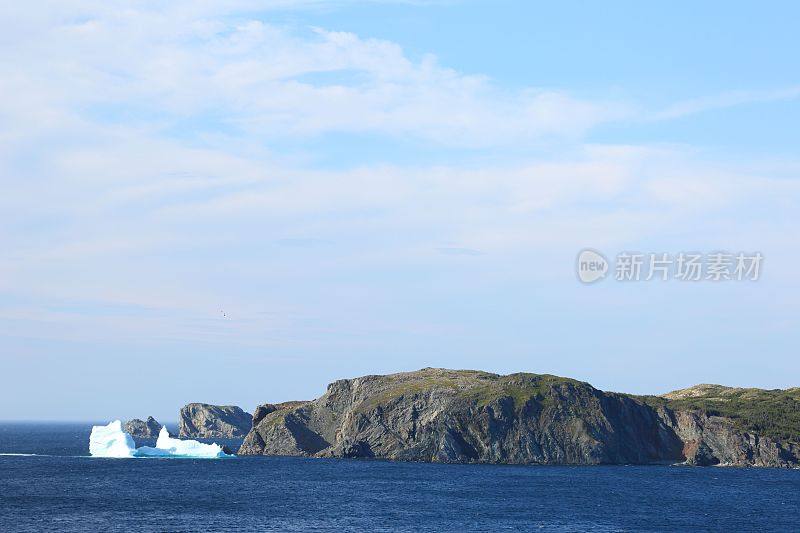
(466, 416)
(142, 429)
(205, 421)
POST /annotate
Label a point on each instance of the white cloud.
(136, 167)
(161, 66)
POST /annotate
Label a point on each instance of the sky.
(240, 202)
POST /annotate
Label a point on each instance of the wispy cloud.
(458, 250)
(725, 100)
(157, 67)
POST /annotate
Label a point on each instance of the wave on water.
(23, 455)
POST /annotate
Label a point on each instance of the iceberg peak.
(163, 438)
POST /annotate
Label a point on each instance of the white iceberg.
(112, 441)
(167, 446)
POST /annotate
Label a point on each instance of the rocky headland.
(202, 420)
(465, 416)
(142, 429)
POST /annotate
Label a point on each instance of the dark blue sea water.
(63, 490)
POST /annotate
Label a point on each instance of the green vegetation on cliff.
(520, 387)
(481, 387)
(771, 413)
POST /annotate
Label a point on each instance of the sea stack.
(206, 421)
(142, 429)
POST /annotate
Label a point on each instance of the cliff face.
(715, 440)
(142, 429)
(468, 416)
(201, 420)
(736, 426)
(267, 408)
(465, 416)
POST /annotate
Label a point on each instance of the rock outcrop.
(201, 420)
(468, 416)
(733, 426)
(715, 440)
(142, 429)
(477, 417)
(267, 408)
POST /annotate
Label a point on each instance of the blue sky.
(370, 187)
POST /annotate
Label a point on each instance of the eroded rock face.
(476, 417)
(267, 408)
(201, 420)
(715, 440)
(143, 429)
(466, 416)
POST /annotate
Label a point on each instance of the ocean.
(60, 488)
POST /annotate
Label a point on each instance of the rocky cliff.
(716, 440)
(470, 416)
(735, 426)
(201, 420)
(145, 429)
